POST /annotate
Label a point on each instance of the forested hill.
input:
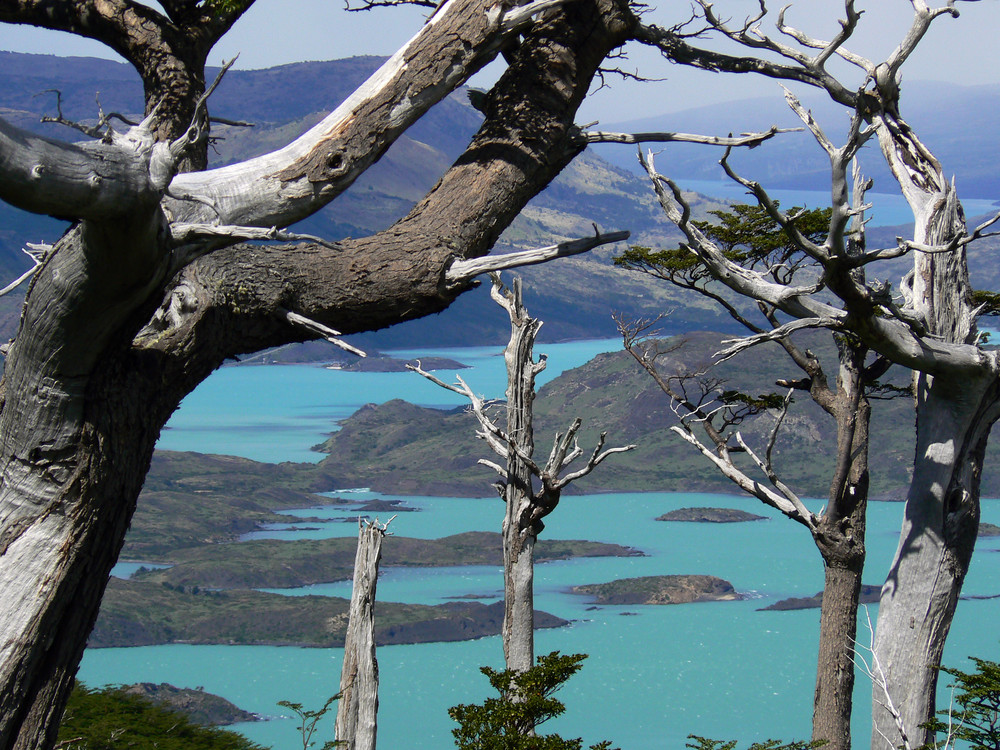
(400, 447)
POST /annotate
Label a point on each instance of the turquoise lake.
(654, 675)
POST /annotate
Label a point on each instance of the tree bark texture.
(116, 330)
(519, 528)
(955, 411)
(940, 524)
(357, 711)
(840, 538)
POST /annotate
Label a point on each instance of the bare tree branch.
(463, 271)
(750, 140)
(324, 331)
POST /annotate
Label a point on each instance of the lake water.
(655, 674)
(888, 209)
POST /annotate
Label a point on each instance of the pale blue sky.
(273, 32)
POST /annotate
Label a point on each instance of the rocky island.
(137, 613)
(710, 515)
(206, 596)
(869, 595)
(202, 708)
(385, 363)
(670, 589)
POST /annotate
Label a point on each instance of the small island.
(710, 515)
(138, 613)
(385, 363)
(869, 595)
(386, 506)
(202, 708)
(988, 529)
(670, 589)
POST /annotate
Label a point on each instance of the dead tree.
(530, 492)
(705, 406)
(357, 711)
(150, 290)
(930, 329)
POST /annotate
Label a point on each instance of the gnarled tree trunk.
(124, 319)
(955, 411)
(840, 538)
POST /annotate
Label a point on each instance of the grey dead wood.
(530, 491)
(357, 710)
(124, 317)
(838, 530)
(930, 329)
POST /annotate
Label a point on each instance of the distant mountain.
(793, 161)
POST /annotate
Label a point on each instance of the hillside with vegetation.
(390, 446)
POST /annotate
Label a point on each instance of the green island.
(671, 589)
(276, 563)
(206, 596)
(139, 613)
(204, 709)
(710, 515)
(192, 515)
(869, 595)
(195, 510)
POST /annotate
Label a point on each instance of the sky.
(275, 32)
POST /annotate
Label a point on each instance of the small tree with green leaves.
(308, 721)
(526, 700)
(752, 239)
(974, 714)
(110, 718)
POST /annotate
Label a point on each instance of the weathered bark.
(357, 711)
(933, 333)
(840, 538)
(940, 525)
(520, 529)
(955, 412)
(525, 505)
(85, 396)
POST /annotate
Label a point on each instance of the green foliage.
(746, 234)
(974, 716)
(759, 403)
(989, 301)
(109, 719)
(702, 743)
(525, 701)
(226, 6)
(309, 719)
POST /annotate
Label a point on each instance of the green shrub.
(111, 719)
(508, 722)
